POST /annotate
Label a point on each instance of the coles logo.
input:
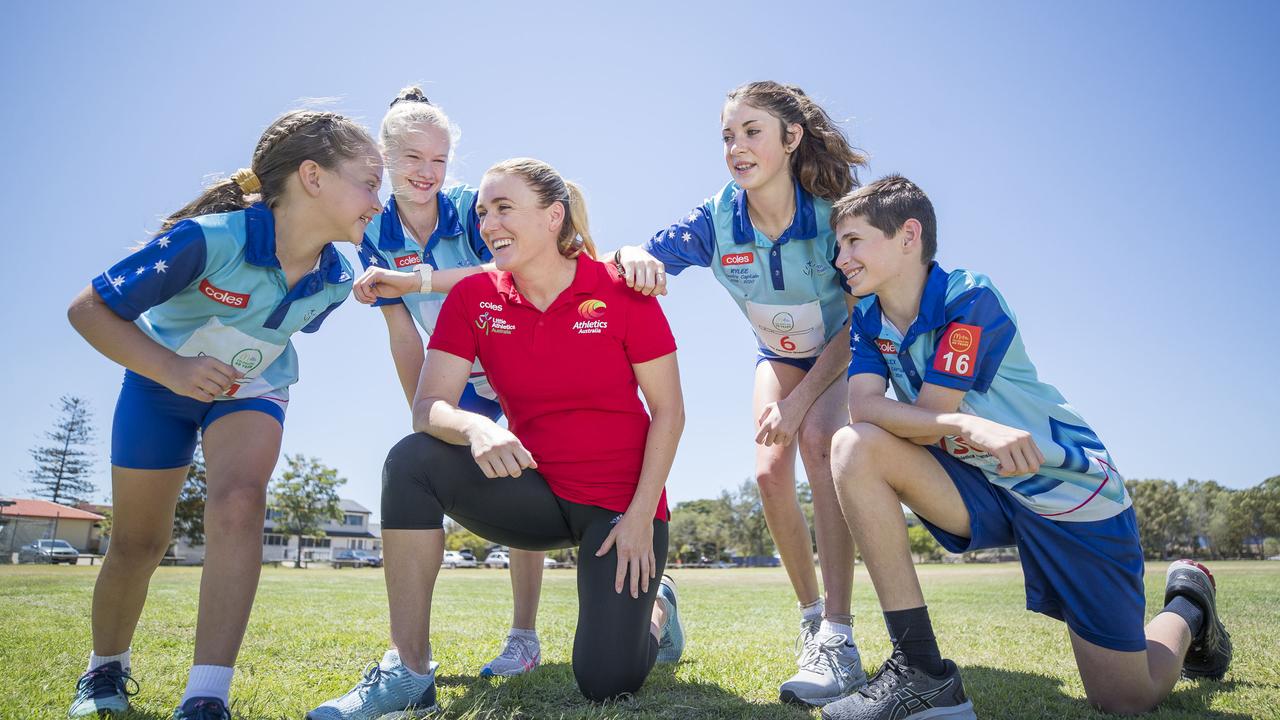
(486, 305)
(745, 258)
(238, 301)
(407, 260)
(591, 309)
(887, 347)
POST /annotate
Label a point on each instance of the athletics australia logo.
(591, 312)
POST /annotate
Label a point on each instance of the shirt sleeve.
(689, 241)
(973, 342)
(865, 356)
(157, 271)
(453, 328)
(471, 228)
(648, 334)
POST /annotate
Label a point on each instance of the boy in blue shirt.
(987, 455)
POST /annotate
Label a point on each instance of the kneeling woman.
(566, 344)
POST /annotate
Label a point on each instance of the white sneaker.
(518, 656)
(829, 670)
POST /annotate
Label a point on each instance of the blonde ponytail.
(579, 235)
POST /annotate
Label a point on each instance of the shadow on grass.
(1015, 695)
(551, 692)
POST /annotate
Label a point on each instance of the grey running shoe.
(1210, 651)
(899, 691)
(829, 670)
(387, 687)
(671, 643)
(518, 656)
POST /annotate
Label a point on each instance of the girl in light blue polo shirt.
(201, 318)
(766, 238)
(432, 230)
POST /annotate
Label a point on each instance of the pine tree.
(64, 465)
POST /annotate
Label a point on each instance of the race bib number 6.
(958, 350)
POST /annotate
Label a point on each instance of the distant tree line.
(1206, 520)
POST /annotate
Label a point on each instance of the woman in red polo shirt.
(566, 345)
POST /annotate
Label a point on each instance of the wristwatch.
(424, 277)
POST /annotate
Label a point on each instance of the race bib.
(789, 330)
(245, 353)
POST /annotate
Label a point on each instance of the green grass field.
(313, 631)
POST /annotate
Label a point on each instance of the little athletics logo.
(784, 322)
(495, 325)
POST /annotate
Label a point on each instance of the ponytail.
(577, 239)
(824, 162)
(325, 137)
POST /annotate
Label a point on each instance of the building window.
(356, 520)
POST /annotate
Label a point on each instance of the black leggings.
(613, 650)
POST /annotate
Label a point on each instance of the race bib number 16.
(958, 350)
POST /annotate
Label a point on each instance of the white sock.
(525, 634)
(812, 611)
(97, 661)
(208, 681)
(829, 628)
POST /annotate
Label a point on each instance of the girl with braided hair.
(766, 238)
(201, 316)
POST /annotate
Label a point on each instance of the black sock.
(911, 632)
(1184, 608)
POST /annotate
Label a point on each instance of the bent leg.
(424, 478)
(241, 449)
(875, 473)
(614, 647)
(776, 476)
(141, 531)
(829, 413)
(1129, 683)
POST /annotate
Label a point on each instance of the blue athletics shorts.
(1087, 574)
(156, 429)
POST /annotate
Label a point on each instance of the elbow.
(81, 310)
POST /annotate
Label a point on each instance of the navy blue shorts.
(805, 364)
(1087, 574)
(156, 429)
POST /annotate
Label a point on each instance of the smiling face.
(418, 160)
(352, 201)
(512, 224)
(872, 261)
(754, 147)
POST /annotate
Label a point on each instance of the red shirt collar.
(586, 277)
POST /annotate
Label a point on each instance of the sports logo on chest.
(591, 312)
(235, 300)
(492, 324)
(740, 267)
(887, 347)
(409, 260)
(812, 267)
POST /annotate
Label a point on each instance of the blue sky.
(1107, 164)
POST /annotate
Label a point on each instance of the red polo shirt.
(564, 376)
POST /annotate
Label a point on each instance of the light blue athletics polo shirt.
(455, 243)
(212, 286)
(965, 337)
(789, 289)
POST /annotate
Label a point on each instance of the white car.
(455, 559)
(498, 559)
(549, 562)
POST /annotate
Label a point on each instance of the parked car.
(48, 551)
(466, 554)
(455, 559)
(550, 562)
(370, 558)
(498, 559)
(347, 558)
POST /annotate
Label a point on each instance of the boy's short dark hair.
(888, 203)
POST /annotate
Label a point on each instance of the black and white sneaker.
(1210, 651)
(899, 691)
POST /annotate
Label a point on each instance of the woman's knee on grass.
(605, 680)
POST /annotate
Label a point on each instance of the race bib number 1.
(958, 350)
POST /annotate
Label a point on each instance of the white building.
(352, 531)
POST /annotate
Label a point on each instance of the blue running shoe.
(202, 708)
(386, 687)
(103, 691)
(671, 643)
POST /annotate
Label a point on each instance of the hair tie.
(247, 180)
(574, 247)
(415, 96)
